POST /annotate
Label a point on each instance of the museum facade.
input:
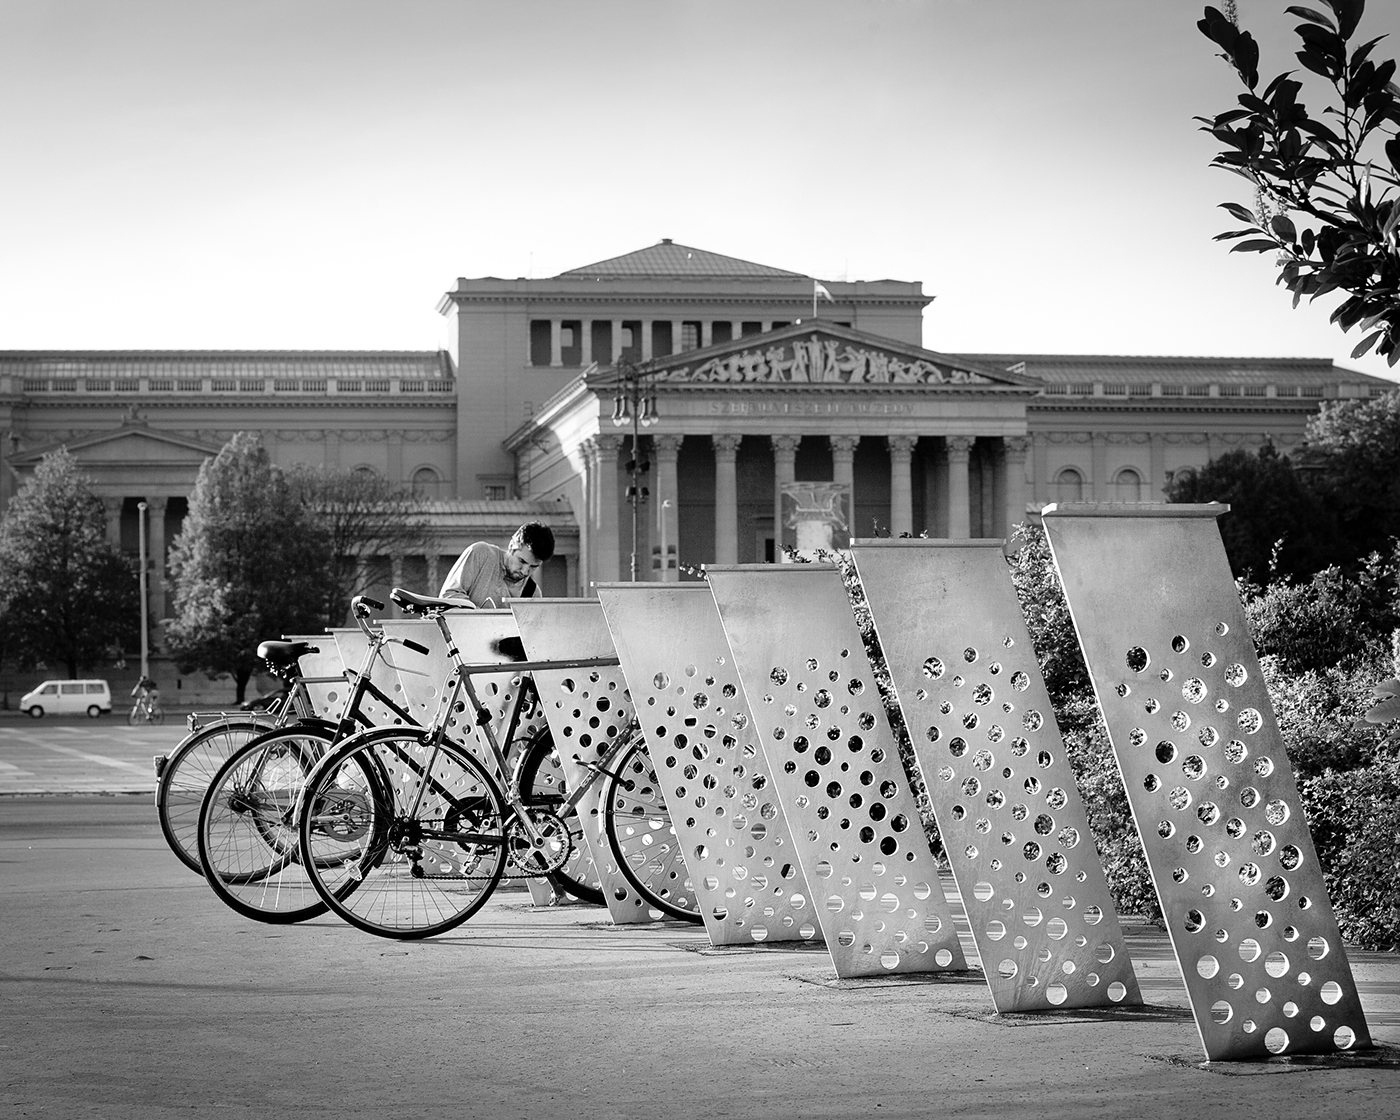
(752, 378)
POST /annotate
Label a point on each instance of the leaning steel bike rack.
(1167, 644)
(1013, 824)
(702, 741)
(836, 769)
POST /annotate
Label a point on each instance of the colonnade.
(706, 332)
(604, 495)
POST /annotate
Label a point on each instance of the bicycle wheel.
(424, 847)
(185, 778)
(540, 780)
(248, 839)
(156, 715)
(643, 842)
(136, 715)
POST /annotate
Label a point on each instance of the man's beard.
(509, 577)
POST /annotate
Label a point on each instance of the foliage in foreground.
(1324, 183)
(68, 596)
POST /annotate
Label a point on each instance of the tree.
(365, 520)
(1276, 524)
(247, 565)
(1354, 449)
(1325, 194)
(67, 595)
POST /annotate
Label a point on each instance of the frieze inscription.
(810, 408)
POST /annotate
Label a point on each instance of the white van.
(68, 698)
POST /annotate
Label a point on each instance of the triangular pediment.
(826, 354)
(127, 445)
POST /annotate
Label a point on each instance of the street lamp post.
(634, 403)
(141, 545)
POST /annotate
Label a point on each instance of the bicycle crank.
(542, 854)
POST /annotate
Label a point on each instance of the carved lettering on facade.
(822, 361)
(810, 408)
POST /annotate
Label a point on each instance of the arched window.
(1068, 486)
(1127, 486)
(427, 483)
(365, 471)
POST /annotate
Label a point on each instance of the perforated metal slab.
(325, 663)
(835, 769)
(353, 644)
(587, 710)
(1210, 786)
(1002, 789)
(703, 745)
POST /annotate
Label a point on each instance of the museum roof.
(225, 363)
(668, 260)
(1055, 369)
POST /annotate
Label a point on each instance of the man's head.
(530, 546)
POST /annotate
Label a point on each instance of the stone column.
(707, 333)
(784, 470)
(396, 577)
(843, 470)
(959, 511)
(556, 343)
(668, 449)
(585, 341)
(1014, 452)
(616, 341)
(155, 538)
(1157, 468)
(1041, 460)
(432, 558)
(604, 561)
(645, 328)
(1098, 459)
(901, 485)
(114, 519)
(677, 330)
(726, 445)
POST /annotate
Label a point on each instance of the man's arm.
(463, 576)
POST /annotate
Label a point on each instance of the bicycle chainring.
(528, 859)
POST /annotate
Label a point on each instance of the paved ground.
(80, 755)
(130, 991)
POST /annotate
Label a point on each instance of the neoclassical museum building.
(753, 378)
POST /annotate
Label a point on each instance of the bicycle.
(184, 775)
(246, 836)
(147, 709)
(427, 832)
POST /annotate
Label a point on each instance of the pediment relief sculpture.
(821, 360)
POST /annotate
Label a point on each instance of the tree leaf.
(1310, 15)
(1366, 343)
(1348, 14)
(1256, 246)
(1243, 213)
(1284, 228)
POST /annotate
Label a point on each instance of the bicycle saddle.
(283, 654)
(421, 604)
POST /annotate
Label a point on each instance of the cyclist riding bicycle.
(486, 575)
(146, 689)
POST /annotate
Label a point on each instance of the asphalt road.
(130, 991)
(80, 755)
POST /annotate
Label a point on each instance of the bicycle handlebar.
(414, 646)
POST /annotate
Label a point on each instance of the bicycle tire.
(642, 840)
(429, 845)
(539, 779)
(248, 837)
(134, 716)
(156, 715)
(185, 779)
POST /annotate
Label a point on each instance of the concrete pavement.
(130, 991)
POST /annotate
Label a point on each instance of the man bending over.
(487, 576)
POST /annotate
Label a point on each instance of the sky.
(314, 174)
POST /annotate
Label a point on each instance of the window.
(632, 340)
(1068, 486)
(601, 341)
(495, 492)
(1127, 486)
(74, 689)
(539, 342)
(721, 331)
(94, 686)
(661, 338)
(690, 336)
(571, 342)
(427, 483)
(749, 327)
(50, 690)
